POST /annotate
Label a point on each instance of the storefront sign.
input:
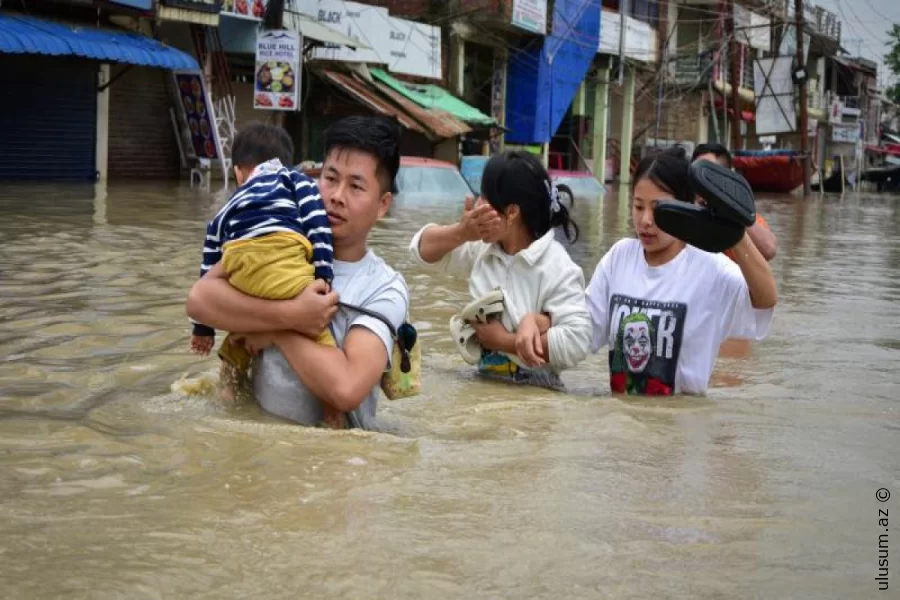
(752, 29)
(530, 15)
(845, 134)
(402, 46)
(640, 38)
(198, 113)
(245, 9)
(414, 48)
(276, 84)
(774, 90)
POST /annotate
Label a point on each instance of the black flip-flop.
(697, 226)
(726, 192)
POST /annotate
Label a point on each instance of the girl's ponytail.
(559, 214)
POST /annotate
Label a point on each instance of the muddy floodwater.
(119, 480)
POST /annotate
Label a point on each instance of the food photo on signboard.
(197, 113)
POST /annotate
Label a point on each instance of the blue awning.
(21, 34)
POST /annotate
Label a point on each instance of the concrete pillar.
(601, 112)
(457, 64)
(101, 150)
(100, 202)
(627, 126)
(578, 103)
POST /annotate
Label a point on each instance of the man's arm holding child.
(212, 300)
(343, 377)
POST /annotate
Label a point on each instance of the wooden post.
(804, 102)
(734, 64)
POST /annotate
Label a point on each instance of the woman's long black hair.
(669, 171)
(517, 177)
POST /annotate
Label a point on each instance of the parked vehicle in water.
(429, 180)
(472, 168)
(419, 179)
(572, 184)
(577, 184)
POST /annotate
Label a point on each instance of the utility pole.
(804, 102)
(734, 51)
(623, 13)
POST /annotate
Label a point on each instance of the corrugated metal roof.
(20, 34)
(434, 98)
(370, 98)
(443, 124)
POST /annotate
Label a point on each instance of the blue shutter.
(48, 119)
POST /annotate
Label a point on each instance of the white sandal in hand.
(464, 336)
(481, 309)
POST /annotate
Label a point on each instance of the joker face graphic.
(636, 342)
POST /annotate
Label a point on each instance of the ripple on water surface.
(122, 474)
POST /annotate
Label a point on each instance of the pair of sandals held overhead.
(730, 209)
(479, 311)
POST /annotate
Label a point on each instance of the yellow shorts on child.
(277, 266)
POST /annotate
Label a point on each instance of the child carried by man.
(272, 237)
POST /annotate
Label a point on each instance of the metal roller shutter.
(142, 143)
(48, 119)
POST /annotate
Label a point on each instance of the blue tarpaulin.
(541, 82)
(21, 34)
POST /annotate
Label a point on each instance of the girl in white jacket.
(506, 242)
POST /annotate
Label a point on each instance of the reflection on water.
(113, 485)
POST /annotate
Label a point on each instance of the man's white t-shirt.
(369, 283)
(664, 325)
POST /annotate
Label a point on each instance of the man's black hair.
(256, 143)
(375, 135)
(717, 150)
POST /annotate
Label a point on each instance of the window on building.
(646, 11)
(642, 10)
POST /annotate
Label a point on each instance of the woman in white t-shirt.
(506, 243)
(664, 307)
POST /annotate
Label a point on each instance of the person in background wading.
(759, 233)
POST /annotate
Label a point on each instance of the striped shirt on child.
(273, 199)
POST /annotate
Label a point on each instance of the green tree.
(892, 60)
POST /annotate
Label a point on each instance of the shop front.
(59, 82)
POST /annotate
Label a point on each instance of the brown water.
(113, 485)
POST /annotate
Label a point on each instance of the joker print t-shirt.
(663, 325)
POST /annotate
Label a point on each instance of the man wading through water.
(294, 375)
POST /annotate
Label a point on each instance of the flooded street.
(115, 482)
